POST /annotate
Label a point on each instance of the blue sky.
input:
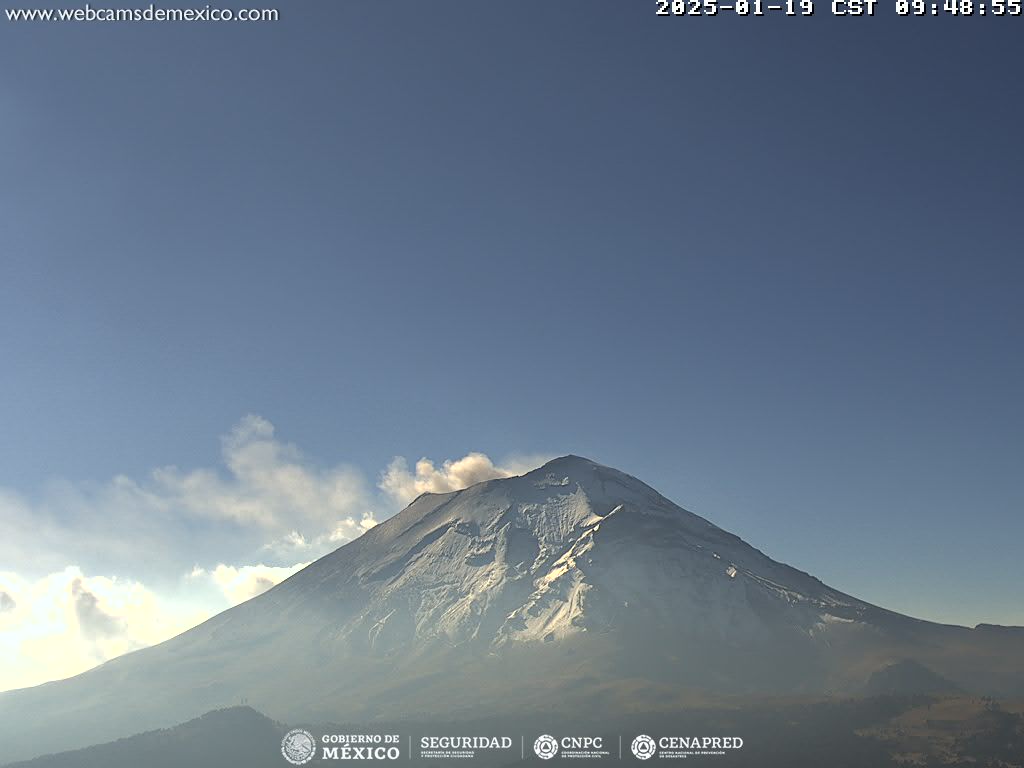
(771, 266)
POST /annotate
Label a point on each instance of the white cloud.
(67, 622)
(269, 484)
(293, 543)
(268, 501)
(240, 584)
(403, 486)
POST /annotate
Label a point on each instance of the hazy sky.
(771, 266)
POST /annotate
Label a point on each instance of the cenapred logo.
(681, 747)
(546, 747)
(298, 746)
(644, 747)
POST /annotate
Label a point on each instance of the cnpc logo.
(548, 746)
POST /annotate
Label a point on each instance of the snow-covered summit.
(569, 548)
(574, 582)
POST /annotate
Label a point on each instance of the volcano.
(573, 587)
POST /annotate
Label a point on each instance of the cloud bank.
(270, 487)
(67, 622)
(96, 570)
